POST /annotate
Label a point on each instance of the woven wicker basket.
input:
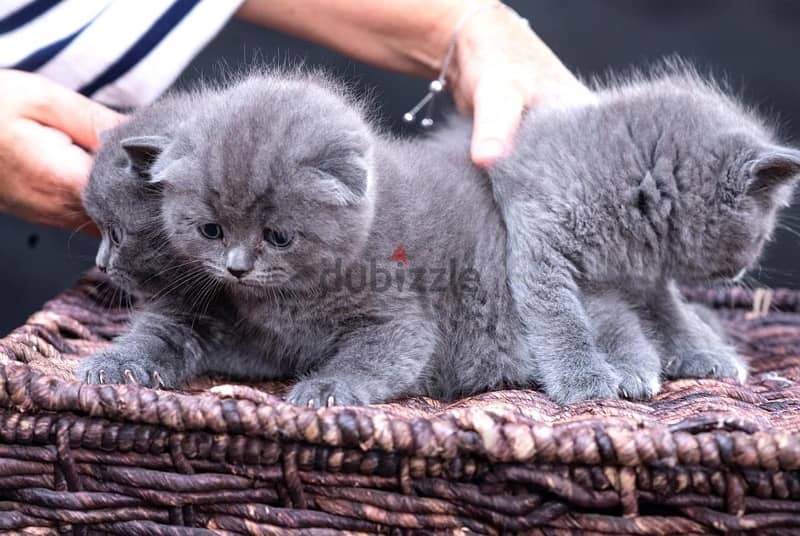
(705, 456)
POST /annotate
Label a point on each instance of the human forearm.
(409, 36)
(499, 67)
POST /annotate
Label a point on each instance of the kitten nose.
(239, 262)
(237, 272)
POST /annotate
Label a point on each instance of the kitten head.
(125, 207)
(269, 184)
(759, 182)
(731, 174)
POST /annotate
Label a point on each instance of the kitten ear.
(142, 152)
(342, 172)
(773, 167)
(347, 175)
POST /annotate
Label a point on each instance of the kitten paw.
(109, 367)
(599, 381)
(704, 364)
(637, 385)
(319, 393)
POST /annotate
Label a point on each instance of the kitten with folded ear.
(126, 206)
(363, 266)
(122, 201)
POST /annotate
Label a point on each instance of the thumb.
(498, 109)
(73, 114)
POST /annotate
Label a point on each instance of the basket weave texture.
(704, 456)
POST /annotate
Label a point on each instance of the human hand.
(47, 133)
(499, 68)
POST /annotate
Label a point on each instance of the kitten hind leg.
(619, 333)
(690, 347)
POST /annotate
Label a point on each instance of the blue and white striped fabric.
(123, 53)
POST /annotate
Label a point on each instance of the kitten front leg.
(690, 347)
(159, 351)
(373, 364)
(556, 329)
(618, 333)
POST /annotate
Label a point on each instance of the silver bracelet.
(438, 85)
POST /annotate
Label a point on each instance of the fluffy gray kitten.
(171, 333)
(664, 180)
(376, 267)
(125, 205)
(369, 267)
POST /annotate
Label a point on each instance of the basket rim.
(450, 434)
(498, 427)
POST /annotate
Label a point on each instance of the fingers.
(70, 214)
(63, 109)
(498, 109)
(45, 186)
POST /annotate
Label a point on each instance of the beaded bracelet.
(438, 85)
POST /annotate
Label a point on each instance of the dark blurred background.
(755, 43)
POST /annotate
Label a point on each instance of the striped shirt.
(123, 53)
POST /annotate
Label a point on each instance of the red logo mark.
(399, 255)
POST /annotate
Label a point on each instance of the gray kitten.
(314, 226)
(125, 205)
(665, 179)
(368, 267)
(173, 295)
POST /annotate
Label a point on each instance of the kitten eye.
(115, 234)
(212, 231)
(277, 238)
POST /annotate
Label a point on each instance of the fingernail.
(489, 150)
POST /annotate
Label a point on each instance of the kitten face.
(125, 209)
(121, 200)
(269, 186)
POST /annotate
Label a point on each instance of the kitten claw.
(330, 402)
(130, 376)
(101, 376)
(159, 383)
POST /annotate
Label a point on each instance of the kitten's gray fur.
(122, 202)
(665, 179)
(630, 175)
(292, 153)
(171, 335)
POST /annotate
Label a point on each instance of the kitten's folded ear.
(345, 179)
(143, 151)
(342, 173)
(773, 167)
